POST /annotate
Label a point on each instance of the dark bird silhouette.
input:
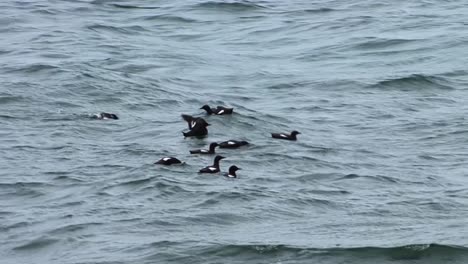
(219, 110)
(197, 125)
(232, 172)
(292, 136)
(213, 168)
(191, 121)
(205, 151)
(232, 144)
(104, 116)
(168, 161)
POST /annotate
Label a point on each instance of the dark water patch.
(319, 10)
(137, 182)
(126, 6)
(428, 157)
(291, 156)
(170, 18)
(310, 201)
(347, 23)
(72, 228)
(5, 99)
(37, 244)
(310, 11)
(422, 253)
(130, 220)
(437, 99)
(128, 186)
(438, 206)
(4, 51)
(312, 177)
(225, 218)
(458, 192)
(324, 192)
(37, 68)
(34, 147)
(15, 185)
(138, 68)
(62, 176)
(126, 30)
(287, 86)
(159, 222)
(8, 228)
(166, 189)
(45, 11)
(414, 82)
(446, 135)
(6, 213)
(58, 203)
(238, 6)
(379, 178)
(55, 55)
(375, 43)
(427, 252)
(208, 203)
(228, 196)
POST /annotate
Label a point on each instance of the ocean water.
(379, 90)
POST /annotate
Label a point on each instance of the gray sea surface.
(378, 89)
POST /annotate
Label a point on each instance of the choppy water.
(378, 90)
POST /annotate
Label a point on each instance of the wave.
(37, 243)
(376, 43)
(277, 253)
(130, 30)
(319, 10)
(405, 252)
(377, 178)
(311, 11)
(39, 67)
(230, 6)
(414, 82)
(10, 99)
(170, 18)
(122, 6)
(133, 6)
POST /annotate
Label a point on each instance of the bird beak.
(208, 124)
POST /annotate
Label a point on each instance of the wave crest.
(230, 6)
(415, 82)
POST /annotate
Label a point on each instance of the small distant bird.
(219, 110)
(205, 151)
(213, 168)
(105, 116)
(168, 161)
(197, 126)
(292, 136)
(232, 144)
(232, 172)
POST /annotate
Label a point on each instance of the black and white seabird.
(292, 136)
(211, 150)
(197, 125)
(104, 116)
(219, 110)
(213, 168)
(168, 161)
(232, 144)
(232, 172)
